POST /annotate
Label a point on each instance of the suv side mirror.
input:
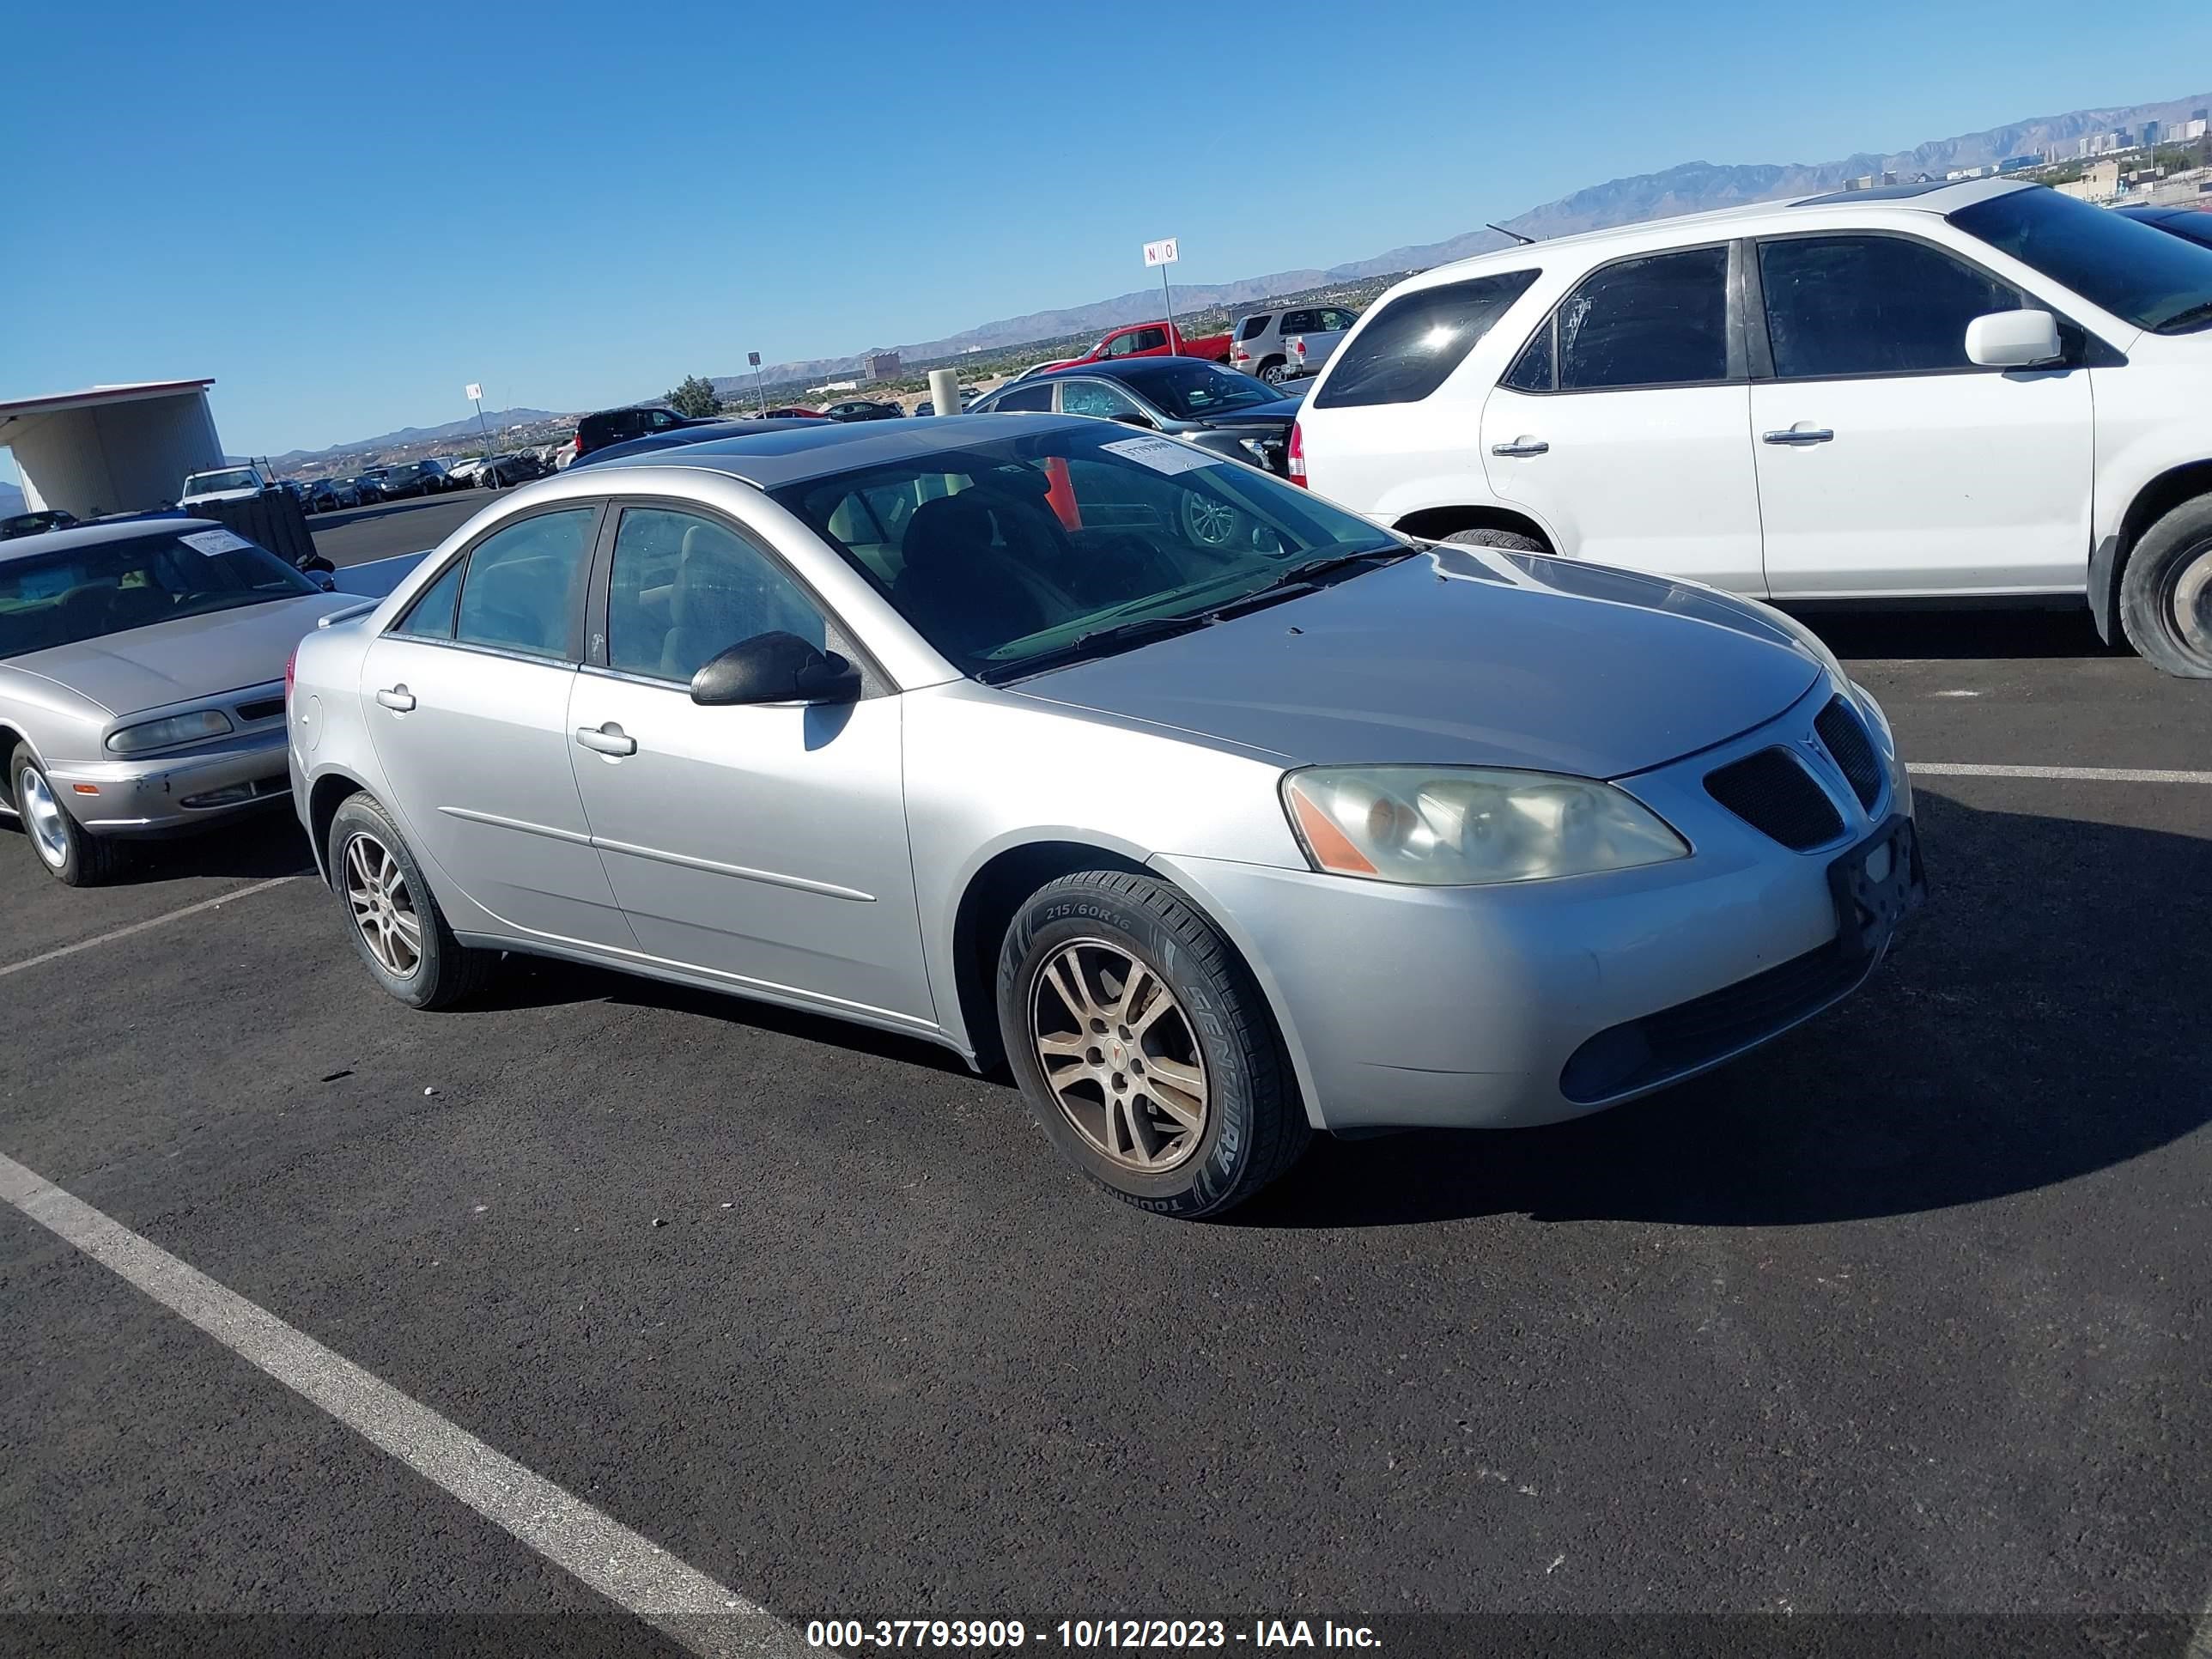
(775, 667)
(2013, 339)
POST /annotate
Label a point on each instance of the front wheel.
(1144, 1047)
(67, 851)
(2165, 593)
(398, 928)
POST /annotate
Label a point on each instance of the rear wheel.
(2165, 593)
(1273, 370)
(398, 928)
(1512, 540)
(1144, 1046)
(66, 850)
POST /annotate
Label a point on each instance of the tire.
(64, 848)
(2165, 593)
(1271, 370)
(1092, 939)
(364, 846)
(1512, 540)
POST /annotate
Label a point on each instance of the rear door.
(467, 701)
(1888, 464)
(1623, 423)
(765, 844)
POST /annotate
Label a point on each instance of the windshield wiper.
(2185, 322)
(1307, 570)
(1101, 641)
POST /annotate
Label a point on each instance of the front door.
(466, 700)
(1887, 463)
(765, 844)
(1621, 424)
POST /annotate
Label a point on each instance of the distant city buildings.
(2100, 182)
(879, 365)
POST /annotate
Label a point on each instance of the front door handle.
(608, 739)
(1523, 444)
(1803, 433)
(397, 697)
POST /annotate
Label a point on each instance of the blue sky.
(344, 214)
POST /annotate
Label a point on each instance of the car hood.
(1466, 657)
(189, 657)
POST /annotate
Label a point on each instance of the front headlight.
(167, 733)
(1457, 826)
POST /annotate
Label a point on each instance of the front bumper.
(1465, 1007)
(162, 794)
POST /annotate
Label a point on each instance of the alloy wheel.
(1273, 374)
(42, 817)
(1120, 1055)
(2190, 600)
(382, 908)
(1210, 523)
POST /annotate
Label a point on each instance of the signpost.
(474, 393)
(759, 386)
(1162, 254)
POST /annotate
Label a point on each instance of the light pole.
(476, 396)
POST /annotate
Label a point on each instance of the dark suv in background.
(619, 426)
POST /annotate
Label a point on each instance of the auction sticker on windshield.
(214, 543)
(1162, 455)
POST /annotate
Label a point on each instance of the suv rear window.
(1254, 325)
(1409, 348)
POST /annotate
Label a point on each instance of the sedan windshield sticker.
(1162, 455)
(214, 542)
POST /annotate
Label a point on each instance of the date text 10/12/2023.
(853, 1635)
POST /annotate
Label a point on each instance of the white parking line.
(628, 1568)
(214, 903)
(2068, 774)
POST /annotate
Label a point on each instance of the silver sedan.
(141, 690)
(950, 728)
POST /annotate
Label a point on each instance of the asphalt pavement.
(1892, 1329)
(383, 529)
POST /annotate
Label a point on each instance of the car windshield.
(234, 478)
(1004, 553)
(1193, 390)
(85, 591)
(2140, 275)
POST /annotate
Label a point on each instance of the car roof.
(97, 535)
(1740, 219)
(771, 460)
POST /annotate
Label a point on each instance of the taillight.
(579, 443)
(1295, 458)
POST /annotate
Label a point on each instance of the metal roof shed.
(110, 448)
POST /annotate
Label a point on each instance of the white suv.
(1936, 393)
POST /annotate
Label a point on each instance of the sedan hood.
(1465, 658)
(189, 657)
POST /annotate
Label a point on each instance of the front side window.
(1097, 398)
(1413, 344)
(85, 592)
(524, 582)
(1299, 322)
(686, 589)
(1026, 400)
(1871, 305)
(2140, 275)
(1010, 554)
(1335, 320)
(1659, 320)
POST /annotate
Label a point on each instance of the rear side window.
(1409, 348)
(431, 616)
(1660, 320)
(1871, 305)
(1026, 400)
(1300, 322)
(1253, 326)
(526, 582)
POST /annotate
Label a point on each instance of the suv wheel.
(67, 851)
(1144, 1046)
(1271, 371)
(2165, 593)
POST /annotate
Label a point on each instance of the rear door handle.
(1523, 445)
(1799, 434)
(397, 697)
(608, 739)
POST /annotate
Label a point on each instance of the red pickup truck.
(1150, 340)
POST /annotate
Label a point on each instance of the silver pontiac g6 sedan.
(951, 728)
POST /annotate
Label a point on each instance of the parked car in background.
(369, 486)
(967, 396)
(1215, 407)
(504, 471)
(225, 484)
(36, 523)
(329, 495)
(142, 682)
(615, 426)
(1148, 340)
(864, 409)
(694, 432)
(790, 717)
(1261, 340)
(413, 478)
(791, 413)
(1942, 392)
(2192, 223)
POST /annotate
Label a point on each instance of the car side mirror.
(1131, 417)
(2015, 339)
(775, 667)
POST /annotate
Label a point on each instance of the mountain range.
(451, 430)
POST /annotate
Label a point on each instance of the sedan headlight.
(1460, 826)
(167, 733)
